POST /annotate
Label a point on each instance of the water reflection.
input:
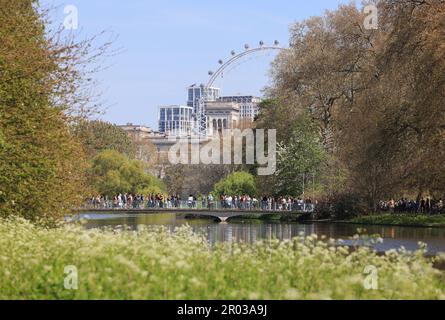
(252, 231)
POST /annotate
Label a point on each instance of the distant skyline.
(167, 46)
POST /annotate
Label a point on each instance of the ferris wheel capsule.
(220, 61)
(261, 43)
(210, 73)
(233, 53)
(276, 43)
(246, 46)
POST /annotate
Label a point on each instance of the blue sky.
(170, 44)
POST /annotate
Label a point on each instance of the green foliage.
(237, 183)
(156, 264)
(113, 173)
(415, 220)
(2, 140)
(301, 156)
(97, 136)
(41, 165)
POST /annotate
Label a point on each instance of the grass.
(156, 264)
(415, 220)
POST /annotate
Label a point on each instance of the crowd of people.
(138, 201)
(243, 202)
(426, 205)
(246, 202)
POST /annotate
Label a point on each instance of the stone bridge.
(222, 215)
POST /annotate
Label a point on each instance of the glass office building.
(195, 93)
(175, 120)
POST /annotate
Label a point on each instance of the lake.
(249, 231)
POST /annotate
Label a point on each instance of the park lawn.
(415, 220)
(153, 263)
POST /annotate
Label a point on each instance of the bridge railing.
(266, 206)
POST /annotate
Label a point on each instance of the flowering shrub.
(153, 263)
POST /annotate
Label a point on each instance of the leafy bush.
(237, 183)
(113, 173)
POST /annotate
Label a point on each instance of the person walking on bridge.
(210, 200)
(190, 201)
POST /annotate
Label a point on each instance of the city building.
(140, 135)
(183, 120)
(137, 133)
(222, 115)
(196, 92)
(175, 120)
(249, 105)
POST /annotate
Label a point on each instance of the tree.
(113, 173)
(393, 142)
(301, 158)
(237, 183)
(325, 67)
(192, 179)
(97, 136)
(41, 165)
(376, 95)
(279, 114)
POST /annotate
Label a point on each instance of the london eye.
(235, 57)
